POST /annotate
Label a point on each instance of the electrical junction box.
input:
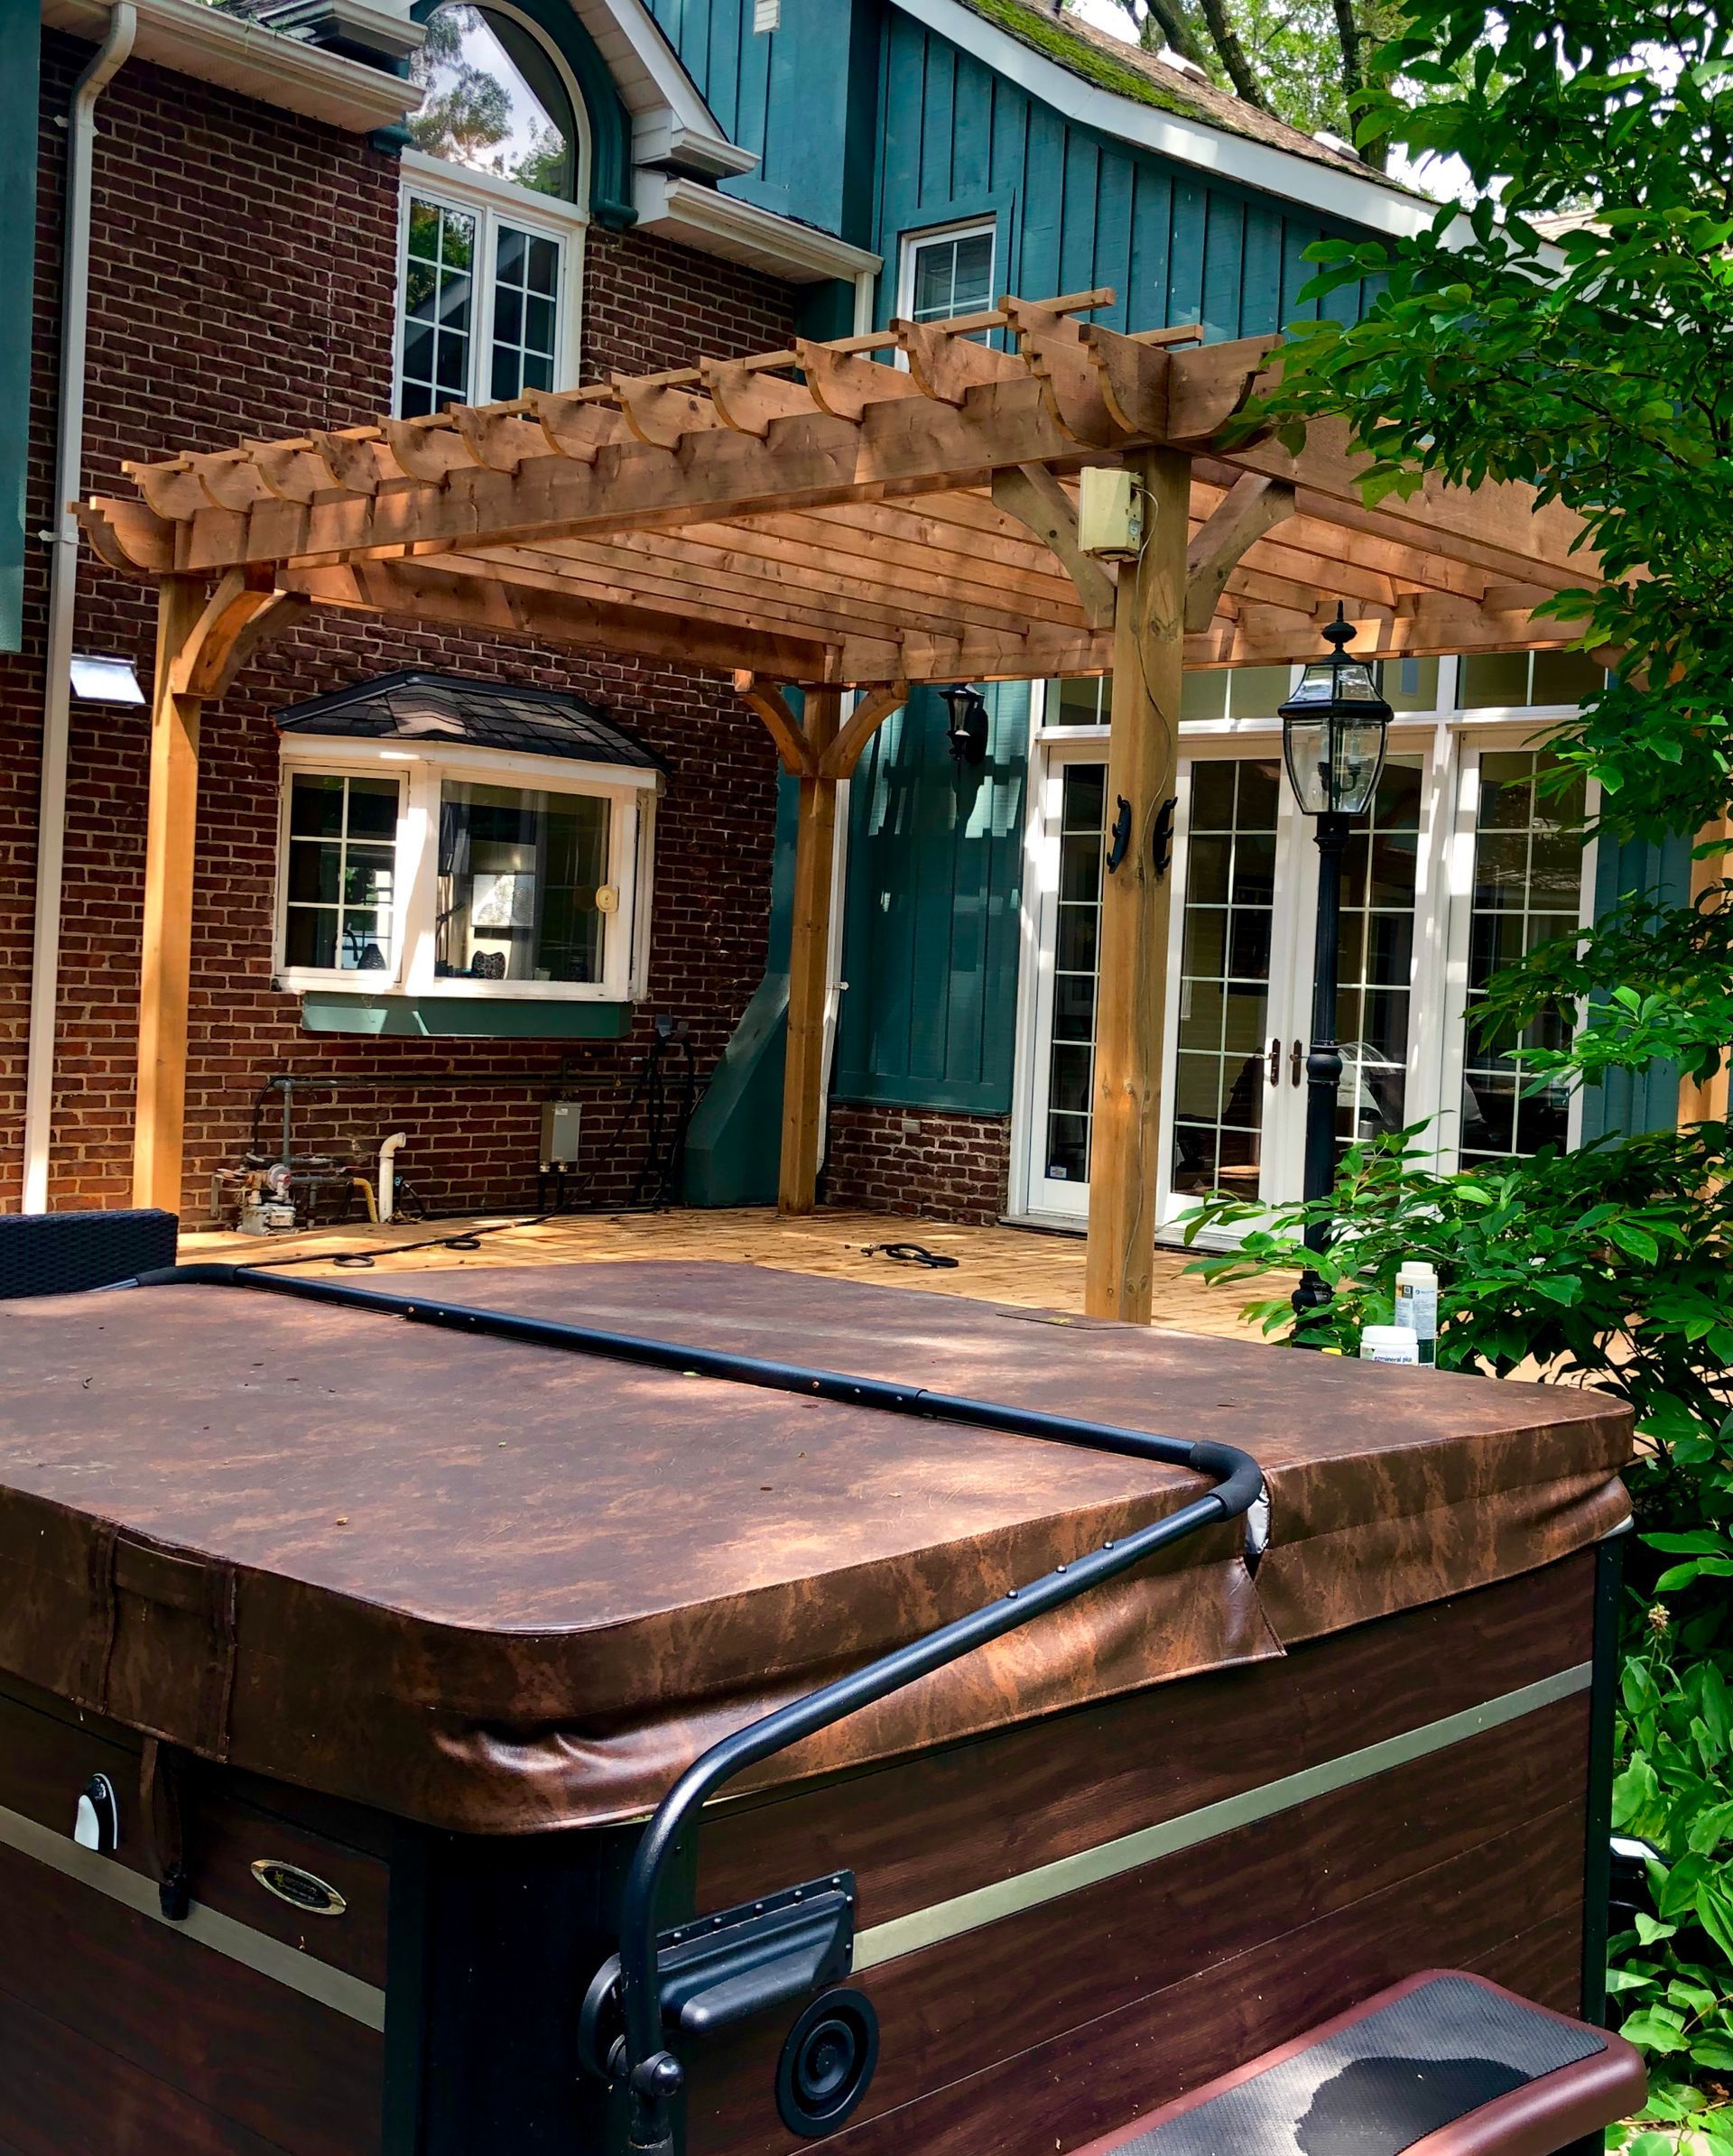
(562, 1125)
(1109, 514)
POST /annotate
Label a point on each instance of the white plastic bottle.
(1417, 1305)
(1388, 1344)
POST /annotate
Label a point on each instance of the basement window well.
(461, 843)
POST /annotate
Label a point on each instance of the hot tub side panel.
(1235, 1858)
(252, 2029)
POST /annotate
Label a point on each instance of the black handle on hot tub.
(654, 2075)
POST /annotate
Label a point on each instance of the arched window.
(493, 230)
(497, 101)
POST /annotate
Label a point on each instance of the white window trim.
(631, 792)
(912, 244)
(493, 201)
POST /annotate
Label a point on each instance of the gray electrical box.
(561, 1125)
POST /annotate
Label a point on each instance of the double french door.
(1459, 865)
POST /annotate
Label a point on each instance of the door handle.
(1297, 1063)
(1275, 1060)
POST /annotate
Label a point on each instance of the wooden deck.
(998, 1264)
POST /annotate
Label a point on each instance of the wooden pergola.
(863, 515)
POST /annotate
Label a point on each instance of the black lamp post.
(1333, 732)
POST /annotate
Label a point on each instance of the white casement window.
(947, 272)
(490, 255)
(494, 875)
(489, 283)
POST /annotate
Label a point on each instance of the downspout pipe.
(62, 539)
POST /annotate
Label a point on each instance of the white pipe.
(388, 1171)
(62, 537)
(865, 292)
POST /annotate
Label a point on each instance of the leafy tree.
(1575, 331)
(1305, 63)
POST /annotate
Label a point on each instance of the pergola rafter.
(866, 514)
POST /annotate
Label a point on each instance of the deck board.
(1025, 1266)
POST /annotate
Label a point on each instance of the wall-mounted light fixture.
(106, 681)
(967, 728)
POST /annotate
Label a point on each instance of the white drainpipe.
(388, 1173)
(62, 536)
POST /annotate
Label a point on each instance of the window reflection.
(494, 102)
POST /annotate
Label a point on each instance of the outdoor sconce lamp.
(1334, 727)
(1333, 730)
(966, 729)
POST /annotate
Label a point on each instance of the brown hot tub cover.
(499, 1587)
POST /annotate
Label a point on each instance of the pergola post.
(1148, 658)
(809, 950)
(166, 973)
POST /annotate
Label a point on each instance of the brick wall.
(244, 283)
(917, 1160)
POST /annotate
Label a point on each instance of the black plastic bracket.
(1162, 842)
(721, 1969)
(1120, 837)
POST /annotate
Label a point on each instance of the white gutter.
(62, 537)
(244, 56)
(705, 218)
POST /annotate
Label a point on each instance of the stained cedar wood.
(45, 1760)
(1029, 1795)
(229, 2041)
(1074, 1964)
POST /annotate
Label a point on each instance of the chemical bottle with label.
(1417, 1305)
(1388, 1344)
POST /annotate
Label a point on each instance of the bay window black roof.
(456, 711)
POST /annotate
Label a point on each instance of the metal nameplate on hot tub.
(300, 1889)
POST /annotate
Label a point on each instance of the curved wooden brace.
(1252, 506)
(948, 367)
(847, 386)
(577, 424)
(240, 615)
(748, 397)
(661, 412)
(838, 761)
(764, 698)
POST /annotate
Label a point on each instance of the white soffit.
(1378, 205)
(718, 224)
(671, 122)
(245, 57)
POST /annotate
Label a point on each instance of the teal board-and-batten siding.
(1629, 1102)
(934, 895)
(1075, 209)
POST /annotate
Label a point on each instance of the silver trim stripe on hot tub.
(366, 2002)
(283, 1964)
(1108, 1860)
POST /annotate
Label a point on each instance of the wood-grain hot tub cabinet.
(385, 1639)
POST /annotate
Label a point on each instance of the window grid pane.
(1380, 877)
(1071, 1067)
(953, 275)
(341, 873)
(526, 282)
(439, 308)
(1528, 867)
(1230, 903)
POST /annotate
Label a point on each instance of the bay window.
(496, 877)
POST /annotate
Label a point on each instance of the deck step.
(1444, 2063)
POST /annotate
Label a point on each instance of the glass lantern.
(1333, 730)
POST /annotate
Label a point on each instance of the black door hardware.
(1275, 1060)
(1164, 839)
(1121, 836)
